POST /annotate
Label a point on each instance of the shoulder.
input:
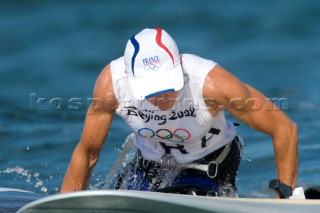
(113, 71)
(117, 68)
(103, 89)
(221, 84)
(196, 66)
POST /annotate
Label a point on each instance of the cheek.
(151, 100)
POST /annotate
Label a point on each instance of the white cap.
(152, 64)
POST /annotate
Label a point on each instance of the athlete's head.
(152, 64)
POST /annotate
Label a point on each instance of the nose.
(163, 96)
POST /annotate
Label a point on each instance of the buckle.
(145, 163)
(212, 169)
(167, 161)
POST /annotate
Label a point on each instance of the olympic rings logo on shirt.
(178, 135)
(152, 66)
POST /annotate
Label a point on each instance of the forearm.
(286, 155)
(96, 127)
(78, 174)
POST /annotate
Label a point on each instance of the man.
(174, 106)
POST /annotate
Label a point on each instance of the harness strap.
(224, 153)
(212, 167)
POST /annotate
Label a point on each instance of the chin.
(165, 106)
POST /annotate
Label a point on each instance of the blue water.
(54, 50)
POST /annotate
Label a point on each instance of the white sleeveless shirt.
(187, 131)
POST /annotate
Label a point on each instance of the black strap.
(283, 191)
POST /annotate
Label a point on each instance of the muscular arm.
(251, 107)
(96, 127)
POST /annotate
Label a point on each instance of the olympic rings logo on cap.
(178, 135)
(151, 63)
(154, 66)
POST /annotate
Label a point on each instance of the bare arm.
(251, 107)
(96, 127)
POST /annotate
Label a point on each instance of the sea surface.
(51, 53)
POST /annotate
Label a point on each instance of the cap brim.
(145, 87)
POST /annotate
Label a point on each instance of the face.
(164, 101)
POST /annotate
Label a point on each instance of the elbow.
(293, 131)
(93, 158)
(93, 161)
(287, 135)
(286, 130)
(292, 137)
(90, 154)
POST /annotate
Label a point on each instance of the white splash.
(30, 178)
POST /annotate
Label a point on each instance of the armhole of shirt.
(117, 69)
(198, 69)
